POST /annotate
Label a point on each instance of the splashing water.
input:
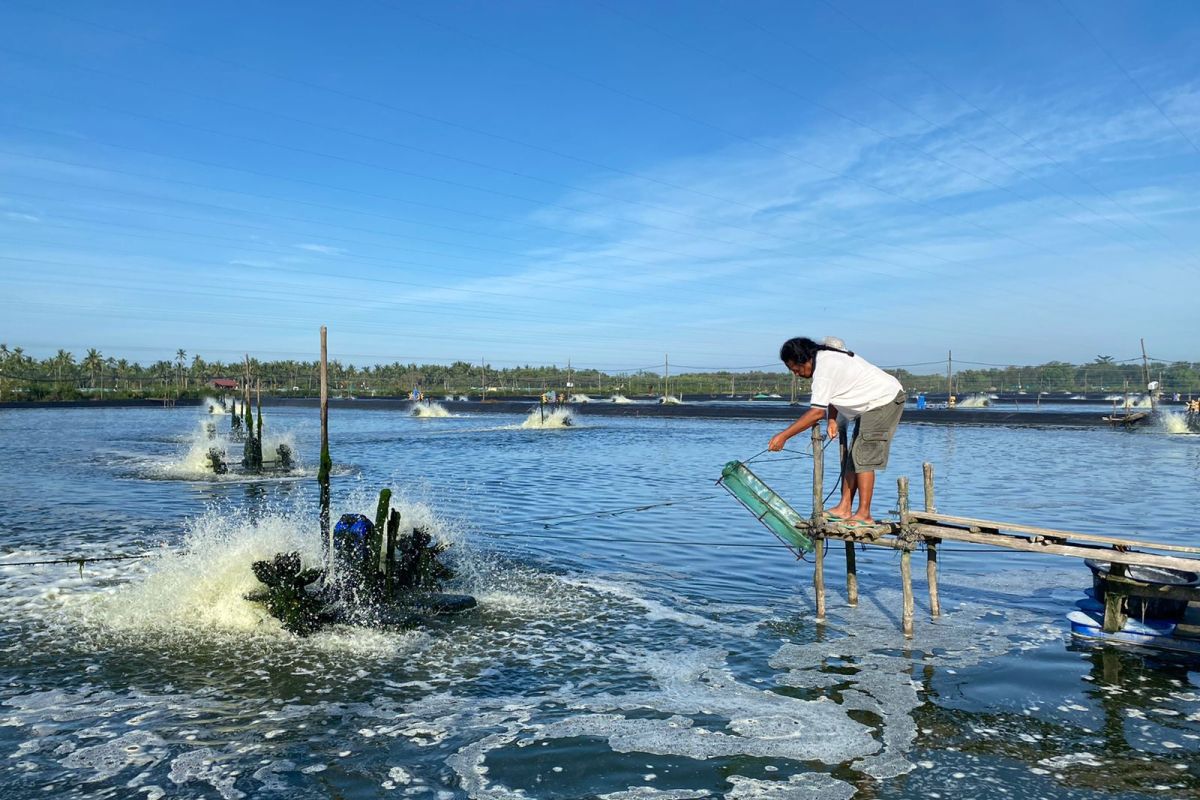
(1174, 422)
(620, 398)
(974, 401)
(545, 419)
(201, 585)
(213, 406)
(579, 398)
(199, 588)
(195, 463)
(670, 400)
(429, 410)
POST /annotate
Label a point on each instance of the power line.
(1126, 73)
(793, 46)
(852, 119)
(473, 162)
(558, 69)
(996, 120)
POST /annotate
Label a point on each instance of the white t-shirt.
(850, 384)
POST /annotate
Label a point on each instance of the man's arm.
(832, 426)
(810, 418)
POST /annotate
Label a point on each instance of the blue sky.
(603, 182)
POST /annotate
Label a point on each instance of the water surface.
(664, 653)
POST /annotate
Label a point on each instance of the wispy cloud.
(323, 249)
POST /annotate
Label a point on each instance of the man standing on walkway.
(846, 385)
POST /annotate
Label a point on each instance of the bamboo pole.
(905, 560)
(377, 535)
(931, 545)
(1078, 551)
(851, 555)
(818, 519)
(389, 567)
(326, 462)
(258, 442)
(1048, 535)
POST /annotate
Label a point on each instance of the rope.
(80, 560)
(612, 512)
(749, 545)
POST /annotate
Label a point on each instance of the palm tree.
(197, 369)
(180, 356)
(111, 363)
(93, 362)
(61, 359)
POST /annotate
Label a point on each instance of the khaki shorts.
(873, 432)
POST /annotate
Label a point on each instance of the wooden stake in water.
(818, 521)
(931, 545)
(851, 556)
(326, 462)
(905, 560)
(381, 513)
(389, 566)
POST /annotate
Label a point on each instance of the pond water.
(664, 653)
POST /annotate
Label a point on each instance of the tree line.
(66, 376)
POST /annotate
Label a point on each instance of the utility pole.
(950, 378)
(666, 376)
(1146, 376)
(482, 381)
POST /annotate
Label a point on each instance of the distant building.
(228, 384)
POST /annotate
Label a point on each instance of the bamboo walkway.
(927, 529)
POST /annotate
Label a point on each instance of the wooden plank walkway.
(928, 528)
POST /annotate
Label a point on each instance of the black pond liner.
(1160, 608)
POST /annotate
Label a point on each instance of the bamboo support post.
(851, 556)
(931, 545)
(905, 560)
(381, 515)
(389, 567)
(326, 462)
(258, 442)
(818, 520)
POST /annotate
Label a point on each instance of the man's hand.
(832, 427)
(777, 442)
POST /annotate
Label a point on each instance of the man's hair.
(802, 349)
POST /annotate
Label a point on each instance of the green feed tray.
(770, 509)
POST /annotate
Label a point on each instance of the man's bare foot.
(860, 517)
(837, 512)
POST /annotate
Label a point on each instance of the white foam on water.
(883, 685)
(670, 400)
(620, 399)
(579, 398)
(656, 611)
(427, 409)
(544, 419)
(809, 785)
(104, 761)
(650, 793)
(206, 766)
